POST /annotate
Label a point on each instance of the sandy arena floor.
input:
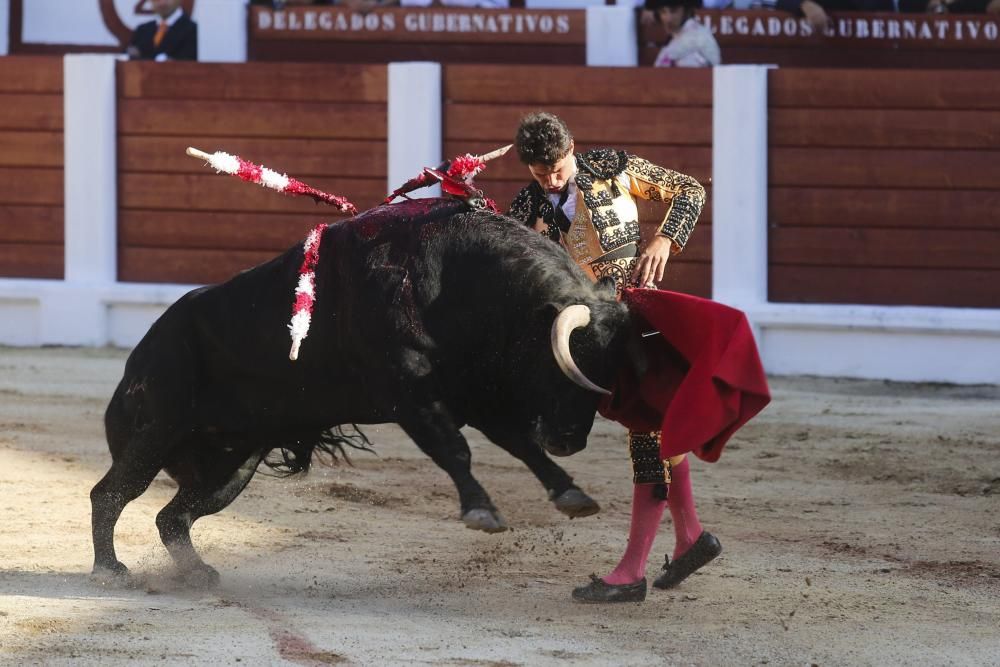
(860, 520)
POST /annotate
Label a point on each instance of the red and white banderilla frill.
(305, 290)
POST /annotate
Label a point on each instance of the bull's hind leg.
(208, 491)
(436, 433)
(129, 476)
(568, 498)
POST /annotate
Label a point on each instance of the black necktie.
(562, 221)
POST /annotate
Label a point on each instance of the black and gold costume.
(603, 236)
(603, 239)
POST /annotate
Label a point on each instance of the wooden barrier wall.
(885, 187)
(31, 167)
(180, 222)
(662, 115)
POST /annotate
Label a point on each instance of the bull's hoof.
(574, 503)
(485, 520)
(199, 576)
(115, 574)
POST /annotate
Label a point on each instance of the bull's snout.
(564, 444)
(558, 441)
(556, 450)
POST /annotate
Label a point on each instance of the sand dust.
(860, 521)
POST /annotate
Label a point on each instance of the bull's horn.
(569, 318)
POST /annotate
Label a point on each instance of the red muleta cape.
(704, 380)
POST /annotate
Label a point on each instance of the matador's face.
(554, 177)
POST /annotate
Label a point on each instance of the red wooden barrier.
(885, 187)
(31, 175)
(180, 222)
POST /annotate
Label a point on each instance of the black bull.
(426, 315)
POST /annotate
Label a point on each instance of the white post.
(222, 31)
(4, 27)
(611, 36)
(415, 122)
(739, 185)
(90, 201)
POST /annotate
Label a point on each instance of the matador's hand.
(652, 262)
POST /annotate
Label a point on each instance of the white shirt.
(693, 46)
(569, 207)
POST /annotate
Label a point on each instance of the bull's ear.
(635, 354)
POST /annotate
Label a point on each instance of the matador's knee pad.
(647, 466)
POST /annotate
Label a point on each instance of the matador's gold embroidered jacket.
(603, 236)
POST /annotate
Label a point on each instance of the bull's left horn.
(570, 318)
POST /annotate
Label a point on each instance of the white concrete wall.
(611, 40)
(222, 30)
(414, 132)
(53, 312)
(958, 345)
(90, 201)
(898, 343)
(91, 185)
(4, 27)
(739, 185)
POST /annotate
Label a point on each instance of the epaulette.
(529, 204)
(526, 204)
(604, 163)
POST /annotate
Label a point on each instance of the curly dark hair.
(656, 5)
(542, 138)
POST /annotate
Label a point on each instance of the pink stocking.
(680, 499)
(646, 513)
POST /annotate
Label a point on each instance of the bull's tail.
(296, 457)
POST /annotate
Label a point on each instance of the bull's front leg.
(434, 430)
(567, 497)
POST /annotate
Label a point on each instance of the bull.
(428, 314)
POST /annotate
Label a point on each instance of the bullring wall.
(884, 187)
(851, 218)
(31, 167)
(179, 222)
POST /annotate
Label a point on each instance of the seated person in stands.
(815, 11)
(281, 4)
(738, 4)
(173, 36)
(963, 6)
(485, 4)
(690, 43)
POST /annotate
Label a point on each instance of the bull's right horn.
(570, 318)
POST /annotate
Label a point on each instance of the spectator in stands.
(964, 6)
(689, 42)
(364, 6)
(815, 11)
(281, 4)
(486, 4)
(174, 36)
(351, 5)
